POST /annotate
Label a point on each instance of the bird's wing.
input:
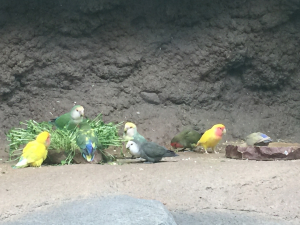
(153, 150)
(35, 152)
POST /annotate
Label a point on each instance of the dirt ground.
(162, 65)
(191, 183)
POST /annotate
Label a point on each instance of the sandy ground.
(192, 183)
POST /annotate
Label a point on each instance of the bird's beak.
(82, 113)
(127, 145)
(89, 158)
(224, 131)
(48, 141)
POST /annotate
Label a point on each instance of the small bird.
(149, 151)
(187, 138)
(71, 119)
(35, 152)
(130, 133)
(211, 137)
(258, 139)
(87, 141)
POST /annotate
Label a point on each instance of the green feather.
(188, 138)
(85, 135)
(65, 120)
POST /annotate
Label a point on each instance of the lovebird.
(130, 133)
(71, 119)
(87, 141)
(187, 138)
(211, 137)
(258, 139)
(149, 151)
(35, 152)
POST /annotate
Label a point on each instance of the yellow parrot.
(211, 137)
(35, 152)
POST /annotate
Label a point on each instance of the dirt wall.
(161, 64)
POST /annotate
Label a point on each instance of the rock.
(150, 97)
(55, 157)
(107, 211)
(263, 152)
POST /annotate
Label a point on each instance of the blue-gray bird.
(149, 151)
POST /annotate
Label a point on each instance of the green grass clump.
(63, 140)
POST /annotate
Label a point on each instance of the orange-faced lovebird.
(35, 152)
(187, 138)
(211, 137)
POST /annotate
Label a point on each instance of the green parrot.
(187, 138)
(258, 139)
(71, 119)
(131, 134)
(149, 151)
(87, 141)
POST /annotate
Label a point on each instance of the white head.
(130, 129)
(133, 148)
(77, 112)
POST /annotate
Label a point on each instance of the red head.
(219, 129)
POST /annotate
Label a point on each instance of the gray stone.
(263, 152)
(228, 217)
(150, 97)
(117, 210)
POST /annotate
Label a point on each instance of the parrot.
(187, 138)
(130, 133)
(71, 119)
(211, 137)
(87, 141)
(258, 139)
(35, 152)
(149, 151)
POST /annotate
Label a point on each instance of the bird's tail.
(170, 153)
(22, 163)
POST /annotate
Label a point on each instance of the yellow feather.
(209, 139)
(35, 152)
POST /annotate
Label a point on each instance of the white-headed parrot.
(87, 141)
(71, 119)
(187, 138)
(35, 152)
(149, 151)
(211, 137)
(130, 133)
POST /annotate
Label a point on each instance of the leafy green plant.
(63, 140)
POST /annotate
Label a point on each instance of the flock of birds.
(35, 152)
